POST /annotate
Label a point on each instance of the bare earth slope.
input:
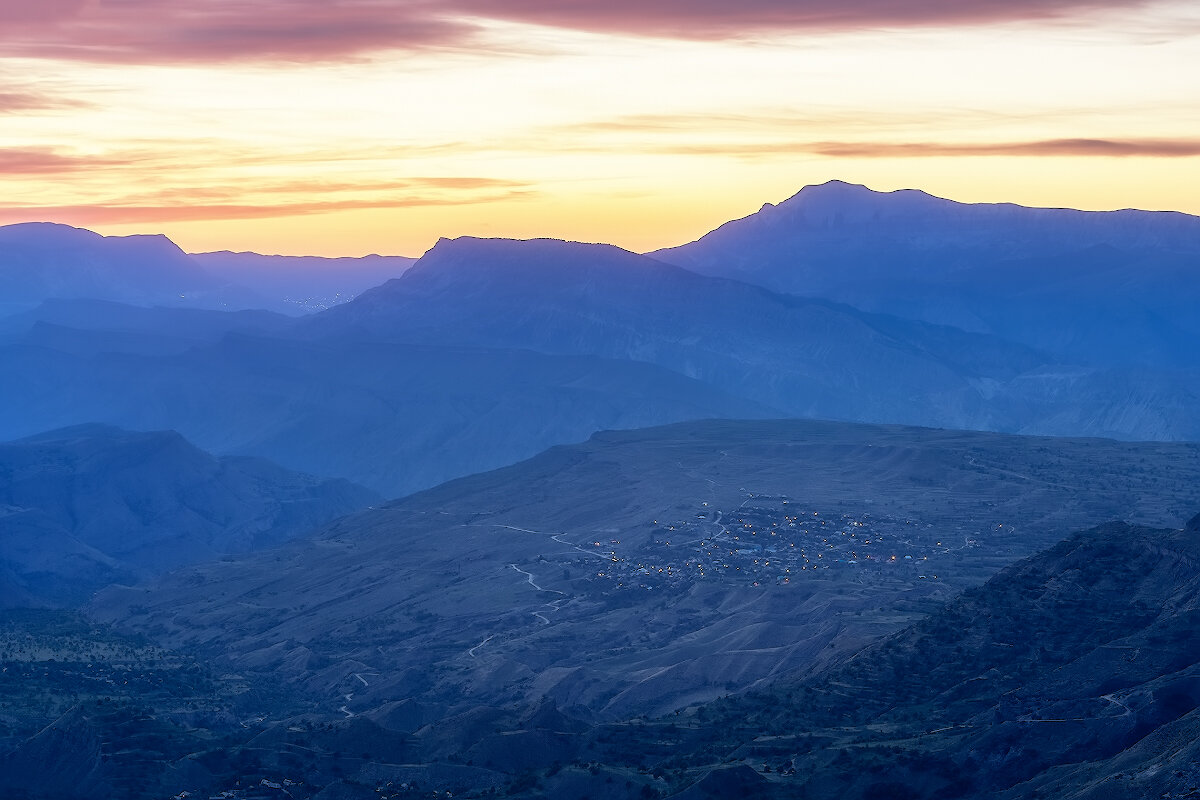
(1073, 674)
(645, 570)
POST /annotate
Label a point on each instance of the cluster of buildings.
(768, 541)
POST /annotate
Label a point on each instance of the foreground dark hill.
(646, 570)
(1072, 674)
(1104, 288)
(84, 506)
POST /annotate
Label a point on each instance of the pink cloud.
(1146, 148)
(1159, 148)
(717, 19)
(17, 12)
(46, 161)
(153, 31)
(188, 204)
(12, 102)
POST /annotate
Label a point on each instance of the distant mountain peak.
(838, 193)
(86, 430)
(836, 186)
(476, 259)
(490, 245)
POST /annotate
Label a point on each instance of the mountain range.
(1100, 288)
(42, 261)
(487, 351)
(769, 514)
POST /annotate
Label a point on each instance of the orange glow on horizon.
(641, 141)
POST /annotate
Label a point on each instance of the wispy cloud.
(21, 101)
(200, 31)
(203, 31)
(301, 197)
(1153, 148)
(721, 19)
(47, 161)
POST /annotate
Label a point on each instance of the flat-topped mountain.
(42, 260)
(83, 506)
(1116, 287)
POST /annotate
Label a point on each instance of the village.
(775, 541)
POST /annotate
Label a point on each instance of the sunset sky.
(356, 126)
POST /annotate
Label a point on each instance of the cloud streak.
(99, 214)
(1145, 148)
(47, 161)
(286, 198)
(1150, 148)
(721, 19)
(17, 102)
(203, 31)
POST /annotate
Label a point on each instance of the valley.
(866, 495)
(481, 593)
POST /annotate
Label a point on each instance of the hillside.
(1072, 674)
(643, 571)
(82, 507)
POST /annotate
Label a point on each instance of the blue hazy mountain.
(47, 261)
(395, 417)
(104, 326)
(488, 351)
(83, 506)
(302, 284)
(1102, 288)
(804, 357)
(42, 260)
(812, 358)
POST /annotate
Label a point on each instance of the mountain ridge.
(1026, 274)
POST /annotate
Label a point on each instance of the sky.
(346, 127)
